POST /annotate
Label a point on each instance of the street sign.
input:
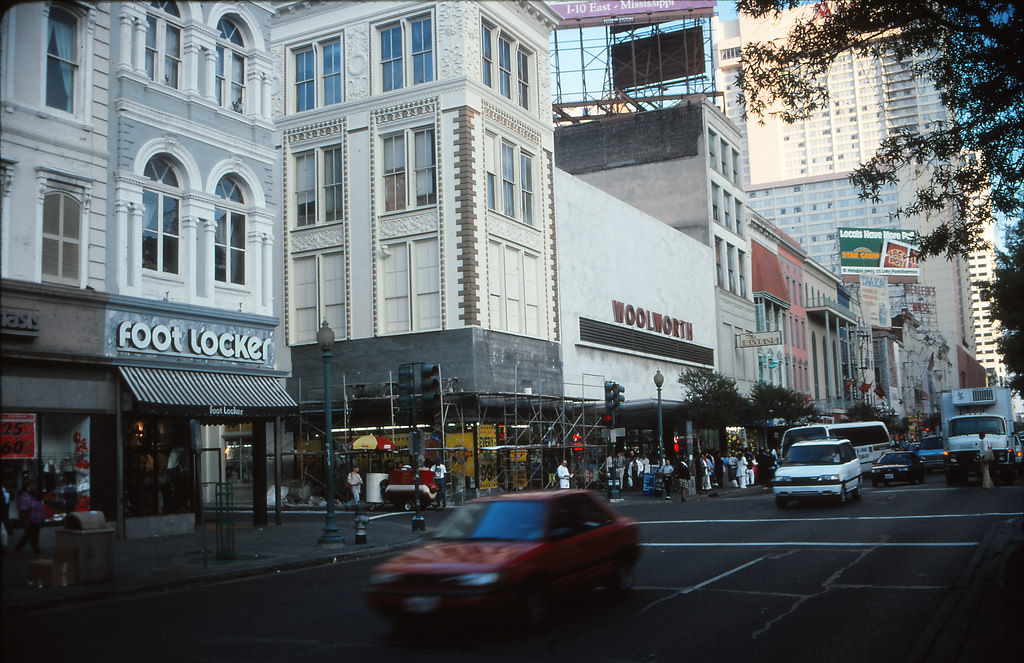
(758, 339)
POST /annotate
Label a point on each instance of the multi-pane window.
(160, 224)
(509, 185)
(513, 62)
(230, 73)
(523, 84)
(514, 293)
(229, 234)
(163, 43)
(319, 190)
(318, 294)
(62, 238)
(406, 52)
(397, 151)
(61, 58)
(412, 286)
(487, 52)
(305, 80)
(313, 63)
(504, 67)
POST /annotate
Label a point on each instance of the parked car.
(931, 453)
(515, 553)
(818, 468)
(897, 466)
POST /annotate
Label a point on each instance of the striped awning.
(206, 395)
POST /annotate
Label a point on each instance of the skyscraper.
(797, 174)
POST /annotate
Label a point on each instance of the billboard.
(660, 57)
(640, 12)
(881, 251)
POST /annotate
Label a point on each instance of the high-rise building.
(797, 174)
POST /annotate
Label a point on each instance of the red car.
(507, 553)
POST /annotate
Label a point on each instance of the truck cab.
(966, 414)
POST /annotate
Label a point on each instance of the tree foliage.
(769, 401)
(1005, 292)
(711, 400)
(864, 411)
(969, 49)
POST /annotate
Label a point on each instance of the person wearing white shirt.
(440, 472)
(563, 474)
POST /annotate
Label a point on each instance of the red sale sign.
(17, 436)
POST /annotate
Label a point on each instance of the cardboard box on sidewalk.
(60, 571)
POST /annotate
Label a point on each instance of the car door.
(579, 553)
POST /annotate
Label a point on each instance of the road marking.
(812, 544)
(687, 590)
(992, 514)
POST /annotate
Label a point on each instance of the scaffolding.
(630, 64)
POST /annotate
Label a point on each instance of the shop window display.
(159, 476)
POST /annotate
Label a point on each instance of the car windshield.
(931, 443)
(813, 454)
(975, 425)
(896, 459)
(499, 520)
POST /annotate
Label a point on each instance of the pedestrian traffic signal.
(577, 443)
(430, 386)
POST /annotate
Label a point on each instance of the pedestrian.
(440, 472)
(985, 460)
(5, 516)
(683, 472)
(730, 459)
(355, 483)
(709, 469)
(666, 477)
(719, 470)
(750, 469)
(564, 475)
(741, 470)
(32, 514)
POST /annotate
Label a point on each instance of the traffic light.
(618, 396)
(609, 396)
(577, 443)
(430, 386)
(675, 445)
(406, 376)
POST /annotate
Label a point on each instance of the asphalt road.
(720, 580)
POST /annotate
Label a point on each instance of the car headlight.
(476, 579)
(782, 478)
(828, 477)
(384, 578)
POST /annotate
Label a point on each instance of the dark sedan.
(897, 466)
(509, 553)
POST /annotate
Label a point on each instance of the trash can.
(86, 533)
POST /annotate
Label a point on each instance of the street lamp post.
(325, 338)
(659, 380)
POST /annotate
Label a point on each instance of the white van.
(818, 468)
(869, 438)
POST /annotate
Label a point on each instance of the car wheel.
(623, 577)
(408, 505)
(535, 603)
(781, 502)
(843, 497)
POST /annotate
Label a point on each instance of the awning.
(202, 394)
(372, 442)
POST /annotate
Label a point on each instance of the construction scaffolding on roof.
(629, 61)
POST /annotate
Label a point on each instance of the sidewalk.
(165, 562)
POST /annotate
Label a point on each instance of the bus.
(869, 438)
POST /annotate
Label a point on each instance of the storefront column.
(259, 473)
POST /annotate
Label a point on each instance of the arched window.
(229, 237)
(163, 43)
(62, 238)
(161, 209)
(61, 59)
(230, 66)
